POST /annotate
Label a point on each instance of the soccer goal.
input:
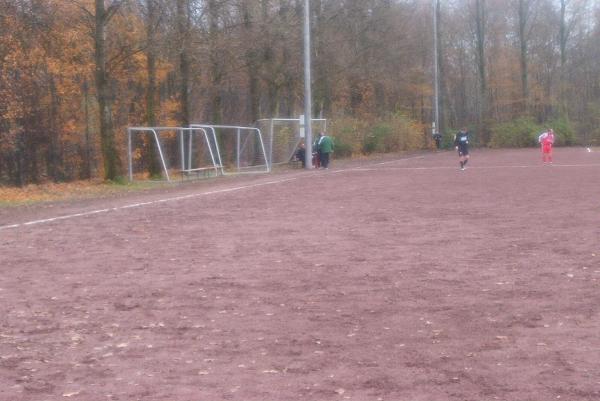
(188, 151)
(238, 150)
(283, 135)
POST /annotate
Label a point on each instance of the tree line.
(75, 73)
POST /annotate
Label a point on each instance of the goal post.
(216, 149)
(238, 149)
(283, 136)
(187, 148)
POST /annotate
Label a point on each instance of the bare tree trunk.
(480, 23)
(183, 30)
(322, 85)
(252, 63)
(87, 174)
(216, 70)
(563, 37)
(441, 70)
(269, 61)
(460, 101)
(112, 163)
(52, 154)
(19, 176)
(524, 13)
(151, 92)
(289, 77)
(563, 32)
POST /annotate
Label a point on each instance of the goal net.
(162, 152)
(283, 135)
(238, 150)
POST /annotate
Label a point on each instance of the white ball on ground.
(589, 150)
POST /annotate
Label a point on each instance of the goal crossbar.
(181, 132)
(241, 146)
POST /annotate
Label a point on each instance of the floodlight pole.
(436, 85)
(307, 89)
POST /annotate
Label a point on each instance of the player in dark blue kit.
(461, 143)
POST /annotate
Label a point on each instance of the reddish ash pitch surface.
(402, 280)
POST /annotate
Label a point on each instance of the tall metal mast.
(307, 88)
(436, 85)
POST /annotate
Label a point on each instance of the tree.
(152, 24)
(216, 63)
(441, 68)
(102, 17)
(165, 62)
(570, 15)
(524, 11)
(480, 38)
(183, 20)
(251, 59)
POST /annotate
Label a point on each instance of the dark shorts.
(463, 150)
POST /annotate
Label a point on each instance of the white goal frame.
(240, 147)
(181, 134)
(299, 135)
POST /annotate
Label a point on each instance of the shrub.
(375, 141)
(519, 133)
(341, 147)
(408, 134)
(395, 134)
(392, 134)
(565, 133)
(348, 135)
(524, 132)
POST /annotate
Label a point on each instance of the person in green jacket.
(325, 148)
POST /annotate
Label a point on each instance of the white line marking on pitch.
(538, 166)
(134, 205)
(195, 195)
(576, 165)
(69, 216)
(475, 167)
(177, 198)
(362, 168)
(400, 160)
(404, 168)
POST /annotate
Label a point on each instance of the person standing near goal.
(546, 141)
(325, 148)
(316, 156)
(461, 144)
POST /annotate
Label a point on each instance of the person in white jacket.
(546, 141)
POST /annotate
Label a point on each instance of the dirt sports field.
(399, 279)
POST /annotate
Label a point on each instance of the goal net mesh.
(166, 152)
(282, 137)
(238, 149)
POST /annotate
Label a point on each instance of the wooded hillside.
(75, 73)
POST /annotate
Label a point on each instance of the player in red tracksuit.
(546, 141)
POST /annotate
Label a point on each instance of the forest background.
(75, 73)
